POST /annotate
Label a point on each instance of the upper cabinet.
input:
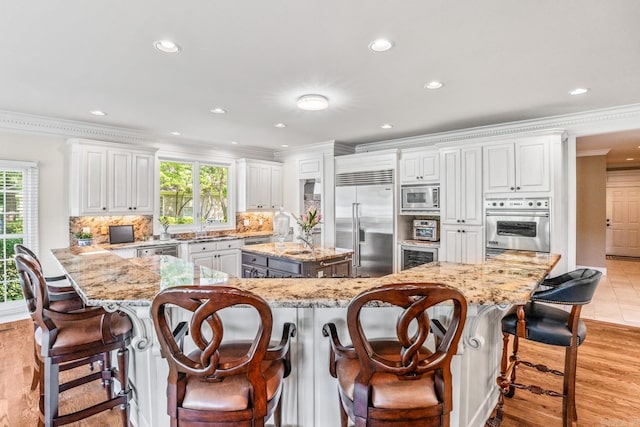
(419, 166)
(259, 185)
(461, 186)
(521, 166)
(106, 179)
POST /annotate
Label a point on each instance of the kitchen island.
(310, 398)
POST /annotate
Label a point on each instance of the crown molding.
(69, 129)
(578, 124)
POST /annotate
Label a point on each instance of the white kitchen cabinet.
(108, 178)
(418, 167)
(259, 185)
(463, 244)
(131, 182)
(461, 186)
(221, 256)
(520, 166)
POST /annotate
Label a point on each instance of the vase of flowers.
(164, 222)
(307, 221)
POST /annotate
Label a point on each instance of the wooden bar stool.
(71, 339)
(234, 384)
(396, 381)
(539, 321)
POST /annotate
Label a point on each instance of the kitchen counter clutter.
(130, 285)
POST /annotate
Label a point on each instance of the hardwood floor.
(608, 381)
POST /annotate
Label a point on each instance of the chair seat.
(86, 333)
(388, 391)
(544, 324)
(233, 392)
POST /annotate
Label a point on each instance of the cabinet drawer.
(251, 272)
(254, 259)
(282, 265)
(195, 248)
(229, 244)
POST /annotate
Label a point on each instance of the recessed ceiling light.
(218, 110)
(166, 46)
(579, 91)
(284, 146)
(280, 125)
(386, 126)
(98, 113)
(312, 102)
(380, 45)
(175, 133)
(234, 142)
(629, 158)
(433, 85)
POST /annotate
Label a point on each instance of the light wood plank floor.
(608, 382)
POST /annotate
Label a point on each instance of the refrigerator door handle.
(355, 222)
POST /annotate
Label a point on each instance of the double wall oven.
(518, 224)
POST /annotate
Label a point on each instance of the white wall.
(48, 152)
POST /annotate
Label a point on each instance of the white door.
(623, 221)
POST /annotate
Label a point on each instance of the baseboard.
(486, 408)
(602, 270)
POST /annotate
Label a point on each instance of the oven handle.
(518, 213)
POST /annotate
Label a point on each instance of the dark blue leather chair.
(550, 325)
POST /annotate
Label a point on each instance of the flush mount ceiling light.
(433, 85)
(218, 110)
(284, 146)
(175, 133)
(386, 126)
(280, 125)
(380, 45)
(166, 46)
(312, 102)
(579, 91)
(234, 142)
(98, 113)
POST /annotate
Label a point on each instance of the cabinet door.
(258, 186)
(499, 168)
(532, 166)
(471, 186)
(410, 168)
(205, 259)
(228, 261)
(142, 191)
(119, 172)
(93, 180)
(276, 187)
(472, 247)
(450, 241)
(430, 166)
(450, 187)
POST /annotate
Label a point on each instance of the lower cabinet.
(262, 266)
(221, 256)
(462, 244)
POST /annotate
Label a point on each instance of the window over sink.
(180, 180)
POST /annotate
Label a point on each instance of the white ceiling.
(500, 60)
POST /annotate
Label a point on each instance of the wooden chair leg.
(123, 377)
(51, 391)
(344, 418)
(569, 413)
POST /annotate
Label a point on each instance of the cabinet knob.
(462, 220)
(104, 209)
(458, 221)
(463, 231)
(458, 231)
(130, 208)
(517, 188)
(134, 208)
(511, 188)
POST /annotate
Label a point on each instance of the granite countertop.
(297, 252)
(188, 239)
(102, 277)
(425, 243)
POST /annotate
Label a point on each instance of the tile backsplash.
(143, 226)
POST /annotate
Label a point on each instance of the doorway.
(623, 213)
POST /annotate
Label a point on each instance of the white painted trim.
(588, 153)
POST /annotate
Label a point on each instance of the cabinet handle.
(512, 188)
(129, 207)
(134, 208)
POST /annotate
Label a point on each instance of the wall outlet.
(260, 221)
(320, 274)
(246, 222)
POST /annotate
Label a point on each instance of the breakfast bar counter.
(310, 400)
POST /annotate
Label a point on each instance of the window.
(18, 221)
(179, 181)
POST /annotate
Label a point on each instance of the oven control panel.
(517, 204)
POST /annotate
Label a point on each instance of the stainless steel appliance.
(520, 224)
(364, 220)
(257, 240)
(171, 249)
(426, 229)
(413, 256)
(420, 198)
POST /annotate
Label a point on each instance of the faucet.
(202, 231)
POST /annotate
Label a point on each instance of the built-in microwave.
(420, 198)
(426, 229)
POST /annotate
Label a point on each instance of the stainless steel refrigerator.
(364, 220)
